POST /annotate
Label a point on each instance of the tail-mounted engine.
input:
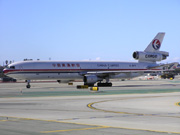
(150, 56)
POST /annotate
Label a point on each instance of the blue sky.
(86, 29)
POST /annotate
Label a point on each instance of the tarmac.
(131, 107)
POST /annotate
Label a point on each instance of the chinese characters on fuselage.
(66, 65)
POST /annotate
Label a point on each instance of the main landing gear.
(107, 84)
(28, 84)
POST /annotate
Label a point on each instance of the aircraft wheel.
(28, 86)
(104, 84)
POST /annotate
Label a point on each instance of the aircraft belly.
(46, 76)
(126, 75)
(17, 76)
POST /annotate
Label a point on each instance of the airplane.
(91, 72)
(170, 67)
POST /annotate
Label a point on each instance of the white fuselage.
(70, 70)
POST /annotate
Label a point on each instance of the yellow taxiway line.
(54, 131)
(97, 126)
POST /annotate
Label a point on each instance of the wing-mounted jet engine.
(91, 80)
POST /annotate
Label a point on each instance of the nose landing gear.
(28, 84)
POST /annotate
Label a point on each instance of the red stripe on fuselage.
(7, 71)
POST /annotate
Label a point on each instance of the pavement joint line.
(147, 130)
(97, 126)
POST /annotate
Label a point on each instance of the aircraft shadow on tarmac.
(145, 85)
(133, 86)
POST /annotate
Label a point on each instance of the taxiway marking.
(97, 126)
(54, 131)
(90, 105)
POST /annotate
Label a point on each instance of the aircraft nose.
(5, 71)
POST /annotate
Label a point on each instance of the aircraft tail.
(155, 44)
(152, 54)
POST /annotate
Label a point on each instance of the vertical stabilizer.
(155, 44)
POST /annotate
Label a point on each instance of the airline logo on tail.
(156, 44)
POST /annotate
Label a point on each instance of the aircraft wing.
(163, 67)
(107, 73)
(114, 72)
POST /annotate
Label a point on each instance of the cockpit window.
(12, 67)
